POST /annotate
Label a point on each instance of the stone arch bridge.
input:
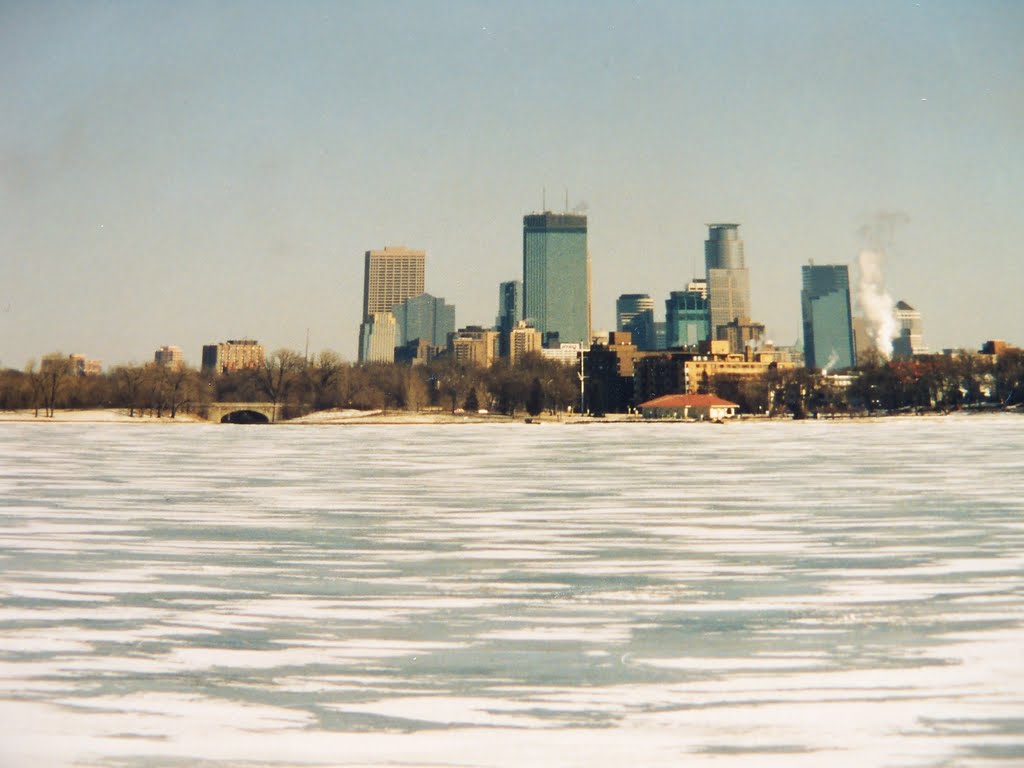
(241, 413)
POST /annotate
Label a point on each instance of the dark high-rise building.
(828, 330)
(556, 276)
(634, 313)
(423, 317)
(728, 279)
(510, 311)
(628, 306)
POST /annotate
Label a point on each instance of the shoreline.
(342, 417)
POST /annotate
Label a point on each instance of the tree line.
(535, 385)
(297, 384)
(877, 385)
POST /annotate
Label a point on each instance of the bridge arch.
(241, 413)
(244, 416)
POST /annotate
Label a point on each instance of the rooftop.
(686, 401)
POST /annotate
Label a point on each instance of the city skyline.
(176, 175)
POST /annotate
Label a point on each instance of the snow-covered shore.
(94, 415)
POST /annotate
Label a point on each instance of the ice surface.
(758, 594)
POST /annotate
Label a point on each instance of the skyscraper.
(510, 311)
(628, 306)
(727, 278)
(634, 312)
(377, 336)
(828, 329)
(909, 342)
(423, 317)
(686, 317)
(556, 276)
(390, 277)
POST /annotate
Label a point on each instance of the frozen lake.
(784, 594)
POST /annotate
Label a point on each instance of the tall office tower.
(390, 277)
(828, 323)
(377, 336)
(634, 312)
(628, 306)
(686, 317)
(728, 279)
(698, 284)
(909, 342)
(423, 317)
(510, 311)
(556, 277)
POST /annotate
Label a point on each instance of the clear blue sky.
(185, 172)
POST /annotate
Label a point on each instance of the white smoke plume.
(833, 358)
(875, 303)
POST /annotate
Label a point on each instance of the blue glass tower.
(424, 317)
(828, 329)
(686, 319)
(556, 276)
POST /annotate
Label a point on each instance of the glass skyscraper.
(510, 312)
(634, 312)
(424, 317)
(556, 276)
(828, 331)
(686, 319)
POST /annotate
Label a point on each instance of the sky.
(189, 172)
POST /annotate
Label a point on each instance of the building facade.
(741, 333)
(608, 374)
(910, 342)
(377, 338)
(728, 281)
(686, 317)
(83, 366)
(522, 340)
(698, 407)
(169, 357)
(828, 321)
(510, 311)
(423, 317)
(634, 313)
(233, 355)
(556, 277)
(628, 306)
(567, 353)
(694, 372)
(474, 345)
(391, 276)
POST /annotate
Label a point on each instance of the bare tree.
(35, 378)
(55, 371)
(279, 374)
(182, 387)
(416, 393)
(128, 381)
